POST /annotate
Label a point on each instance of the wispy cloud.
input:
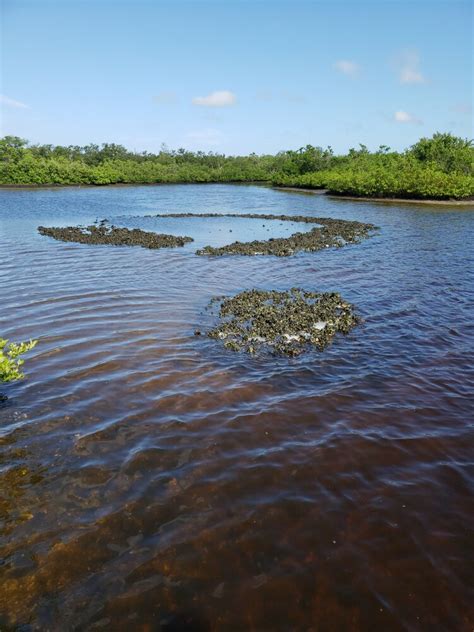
(218, 99)
(12, 103)
(347, 67)
(208, 137)
(401, 116)
(408, 67)
(165, 98)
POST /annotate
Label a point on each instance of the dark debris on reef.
(329, 233)
(283, 323)
(112, 235)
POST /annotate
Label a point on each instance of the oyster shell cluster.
(111, 235)
(284, 323)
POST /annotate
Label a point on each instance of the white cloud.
(408, 65)
(12, 103)
(205, 137)
(347, 67)
(401, 116)
(218, 99)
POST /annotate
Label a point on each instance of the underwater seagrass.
(112, 235)
(329, 233)
(285, 323)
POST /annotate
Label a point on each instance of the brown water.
(152, 480)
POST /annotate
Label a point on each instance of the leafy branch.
(10, 360)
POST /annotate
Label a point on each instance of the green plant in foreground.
(10, 361)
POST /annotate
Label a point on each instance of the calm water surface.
(152, 480)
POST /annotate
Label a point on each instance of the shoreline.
(130, 184)
(353, 198)
(387, 200)
(403, 200)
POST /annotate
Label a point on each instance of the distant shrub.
(441, 167)
(400, 177)
(447, 152)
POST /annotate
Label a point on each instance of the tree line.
(440, 167)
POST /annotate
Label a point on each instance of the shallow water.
(151, 479)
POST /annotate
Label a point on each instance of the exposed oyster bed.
(112, 235)
(285, 323)
(329, 233)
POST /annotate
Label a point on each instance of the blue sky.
(236, 76)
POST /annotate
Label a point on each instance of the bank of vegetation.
(440, 167)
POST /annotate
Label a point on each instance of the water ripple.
(149, 475)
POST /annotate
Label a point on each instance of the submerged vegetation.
(284, 323)
(329, 233)
(10, 360)
(441, 167)
(113, 236)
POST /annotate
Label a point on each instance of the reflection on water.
(216, 231)
(150, 479)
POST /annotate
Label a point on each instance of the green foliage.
(11, 148)
(111, 163)
(440, 167)
(447, 152)
(305, 160)
(403, 179)
(10, 361)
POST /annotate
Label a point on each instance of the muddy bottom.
(113, 236)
